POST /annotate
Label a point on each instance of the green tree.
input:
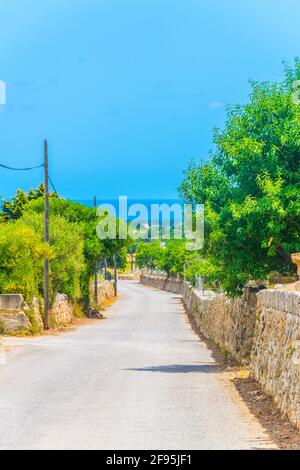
(251, 186)
(148, 254)
(67, 245)
(94, 249)
(85, 217)
(172, 257)
(22, 253)
(14, 209)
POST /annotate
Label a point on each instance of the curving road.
(141, 379)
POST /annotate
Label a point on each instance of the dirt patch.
(262, 406)
(108, 302)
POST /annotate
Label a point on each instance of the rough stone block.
(14, 322)
(13, 302)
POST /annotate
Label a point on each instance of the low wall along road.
(17, 316)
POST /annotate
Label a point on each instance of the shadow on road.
(180, 368)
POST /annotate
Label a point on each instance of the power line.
(21, 169)
(57, 194)
(34, 168)
(53, 187)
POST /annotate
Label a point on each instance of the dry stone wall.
(275, 358)
(13, 322)
(106, 290)
(168, 284)
(230, 323)
(12, 315)
(16, 315)
(61, 312)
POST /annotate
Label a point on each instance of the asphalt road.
(140, 379)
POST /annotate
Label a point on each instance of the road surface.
(140, 379)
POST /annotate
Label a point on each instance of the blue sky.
(128, 91)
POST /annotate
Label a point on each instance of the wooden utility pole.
(115, 276)
(96, 267)
(132, 261)
(105, 269)
(46, 237)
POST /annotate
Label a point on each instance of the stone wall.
(16, 315)
(12, 315)
(168, 284)
(106, 292)
(11, 302)
(229, 323)
(61, 312)
(135, 276)
(275, 358)
(10, 322)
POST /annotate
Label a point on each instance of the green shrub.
(67, 263)
(22, 252)
(148, 254)
(35, 326)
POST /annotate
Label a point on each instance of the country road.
(140, 379)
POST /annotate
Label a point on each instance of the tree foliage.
(21, 259)
(66, 245)
(14, 209)
(95, 250)
(148, 255)
(75, 249)
(251, 187)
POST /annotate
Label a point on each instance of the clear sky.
(128, 91)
